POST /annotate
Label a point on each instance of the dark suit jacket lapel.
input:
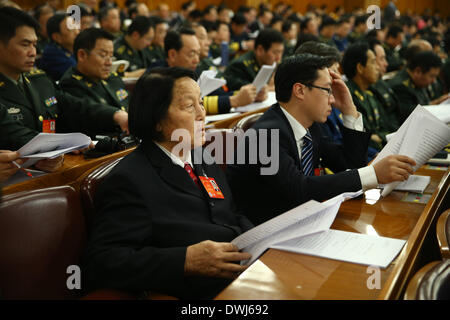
(169, 172)
(285, 126)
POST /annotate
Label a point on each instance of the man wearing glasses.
(305, 90)
(92, 76)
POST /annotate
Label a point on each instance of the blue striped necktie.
(307, 155)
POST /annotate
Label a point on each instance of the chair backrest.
(221, 143)
(246, 122)
(443, 233)
(432, 282)
(42, 233)
(90, 183)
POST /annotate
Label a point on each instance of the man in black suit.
(305, 90)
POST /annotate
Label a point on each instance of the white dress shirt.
(367, 174)
(176, 160)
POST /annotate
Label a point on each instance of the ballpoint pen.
(28, 173)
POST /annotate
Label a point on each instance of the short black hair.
(360, 20)
(268, 36)
(297, 68)
(103, 13)
(173, 38)
(373, 42)
(11, 19)
(150, 100)
(157, 20)
(40, 9)
(87, 38)
(141, 25)
(320, 49)
(355, 53)
(304, 23)
(286, 26)
(327, 21)
(239, 19)
(54, 24)
(305, 37)
(425, 60)
(393, 31)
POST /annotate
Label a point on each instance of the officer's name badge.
(13, 110)
(121, 94)
(50, 101)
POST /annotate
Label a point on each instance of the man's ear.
(359, 68)
(82, 55)
(56, 37)
(171, 54)
(298, 91)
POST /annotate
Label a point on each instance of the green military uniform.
(436, 89)
(389, 102)
(394, 60)
(409, 96)
(355, 36)
(34, 99)
(328, 41)
(241, 71)
(446, 74)
(138, 59)
(215, 50)
(110, 91)
(207, 64)
(288, 49)
(372, 112)
(13, 135)
(155, 53)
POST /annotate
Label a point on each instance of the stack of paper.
(218, 117)
(208, 82)
(52, 145)
(420, 137)
(306, 229)
(414, 183)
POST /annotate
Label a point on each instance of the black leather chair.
(432, 282)
(42, 233)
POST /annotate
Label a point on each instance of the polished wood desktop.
(285, 275)
(73, 167)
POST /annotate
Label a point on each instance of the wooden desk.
(74, 166)
(284, 275)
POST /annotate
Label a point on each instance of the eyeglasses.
(103, 56)
(328, 90)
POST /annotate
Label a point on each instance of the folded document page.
(420, 137)
(52, 145)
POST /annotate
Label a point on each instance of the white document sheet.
(420, 137)
(208, 82)
(307, 218)
(415, 183)
(271, 99)
(218, 117)
(52, 145)
(441, 111)
(263, 76)
(346, 246)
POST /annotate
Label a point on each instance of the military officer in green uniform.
(30, 96)
(156, 50)
(361, 69)
(410, 84)
(394, 38)
(92, 77)
(269, 47)
(132, 46)
(381, 90)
